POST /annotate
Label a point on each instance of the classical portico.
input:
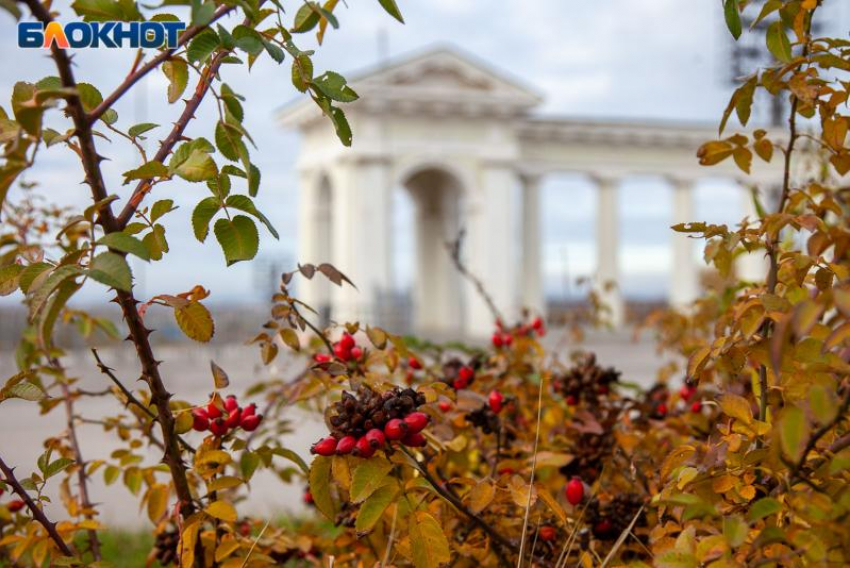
(463, 140)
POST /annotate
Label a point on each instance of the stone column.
(314, 222)
(753, 266)
(607, 249)
(684, 284)
(531, 279)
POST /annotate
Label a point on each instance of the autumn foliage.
(489, 454)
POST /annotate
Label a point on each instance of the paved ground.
(186, 369)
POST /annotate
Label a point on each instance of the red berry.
(414, 440)
(498, 341)
(602, 528)
(213, 411)
(496, 399)
(507, 339)
(345, 445)
(356, 353)
(308, 497)
(537, 324)
(200, 420)
(324, 447)
(414, 363)
(322, 358)
(230, 403)
(696, 407)
(347, 341)
(661, 410)
(342, 352)
(233, 419)
(541, 332)
(466, 374)
(547, 533)
(687, 391)
(249, 410)
(460, 384)
(249, 423)
(445, 405)
(376, 438)
(575, 491)
(16, 505)
(218, 427)
(572, 400)
(363, 448)
(416, 421)
(506, 471)
(395, 429)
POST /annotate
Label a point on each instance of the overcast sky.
(609, 58)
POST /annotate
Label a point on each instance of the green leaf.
(155, 242)
(24, 390)
(228, 140)
(54, 307)
(202, 46)
(320, 486)
(148, 170)
(777, 42)
(244, 203)
(334, 86)
(238, 237)
(182, 153)
(253, 180)
(367, 477)
(199, 166)
(343, 130)
(392, 9)
(248, 40)
(107, 10)
(735, 530)
(195, 321)
(9, 278)
(274, 51)
(373, 508)
(733, 18)
(306, 18)
(141, 128)
(125, 243)
(428, 543)
(160, 208)
(793, 432)
(204, 211)
(177, 72)
(57, 466)
(293, 457)
(763, 508)
(41, 290)
(112, 270)
(89, 96)
(29, 274)
(202, 14)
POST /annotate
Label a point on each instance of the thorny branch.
(37, 513)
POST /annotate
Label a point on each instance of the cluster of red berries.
(586, 381)
(505, 338)
(656, 400)
(688, 392)
(363, 424)
(220, 421)
(459, 375)
(346, 350)
(610, 519)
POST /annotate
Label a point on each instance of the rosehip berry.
(324, 447)
(250, 423)
(218, 427)
(696, 407)
(572, 400)
(356, 353)
(575, 491)
(537, 324)
(347, 341)
(416, 421)
(342, 352)
(602, 528)
(414, 363)
(661, 410)
(233, 419)
(547, 533)
(200, 420)
(345, 445)
(506, 471)
(414, 440)
(445, 405)
(249, 410)
(395, 429)
(363, 448)
(322, 358)
(460, 384)
(230, 403)
(507, 339)
(308, 497)
(466, 373)
(16, 505)
(213, 411)
(497, 340)
(686, 392)
(496, 399)
(376, 438)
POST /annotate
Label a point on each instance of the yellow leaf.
(320, 486)
(220, 378)
(723, 483)
(480, 496)
(188, 539)
(520, 492)
(157, 501)
(737, 407)
(195, 321)
(290, 338)
(553, 504)
(367, 477)
(224, 482)
(222, 510)
(686, 476)
(429, 546)
(697, 361)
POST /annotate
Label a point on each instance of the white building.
(463, 139)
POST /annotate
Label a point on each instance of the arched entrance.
(433, 198)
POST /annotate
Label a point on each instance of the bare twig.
(454, 247)
(37, 513)
(533, 471)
